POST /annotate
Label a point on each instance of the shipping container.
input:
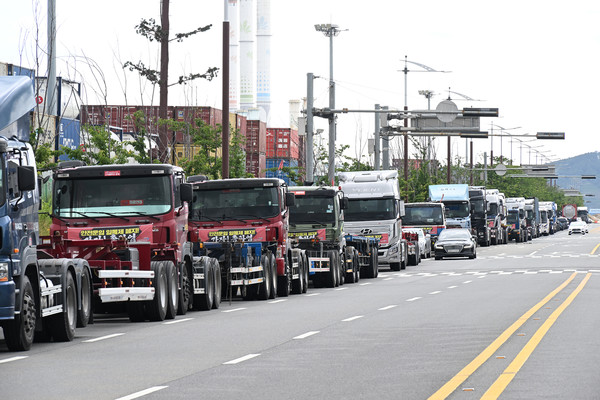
(256, 132)
(256, 164)
(69, 131)
(282, 143)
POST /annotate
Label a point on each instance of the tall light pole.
(330, 30)
(428, 95)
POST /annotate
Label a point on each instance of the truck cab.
(479, 215)
(496, 217)
(376, 210)
(517, 225)
(427, 215)
(457, 207)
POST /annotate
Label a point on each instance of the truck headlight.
(393, 249)
(3, 272)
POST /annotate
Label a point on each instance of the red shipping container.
(256, 164)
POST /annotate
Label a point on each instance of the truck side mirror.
(26, 178)
(290, 199)
(344, 203)
(186, 193)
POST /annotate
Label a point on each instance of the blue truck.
(41, 297)
(457, 206)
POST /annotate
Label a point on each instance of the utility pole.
(225, 97)
(376, 147)
(310, 152)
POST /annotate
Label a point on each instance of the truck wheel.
(20, 331)
(305, 273)
(84, 315)
(284, 284)
(157, 307)
(217, 283)
(274, 282)
(136, 311)
(204, 302)
(264, 289)
(63, 325)
(341, 272)
(298, 283)
(331, 276)
(172, 289)
(348, 255)
(186, 292)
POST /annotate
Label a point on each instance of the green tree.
(100, 150)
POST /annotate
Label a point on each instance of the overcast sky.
(536, 61)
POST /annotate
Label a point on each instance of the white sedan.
(578, 227)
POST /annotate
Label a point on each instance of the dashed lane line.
(11, 359)
(305, 335)
(142, 393)
(241, 359)
(103, 338)
(352, 318)
(176, 321)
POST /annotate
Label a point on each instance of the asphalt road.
(518, 322)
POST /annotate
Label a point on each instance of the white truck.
(496, 216)
(376, 210)
(517, 224)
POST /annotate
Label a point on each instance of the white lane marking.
(312, 294)
(177, 321)
(365, 284)
(414, 298)
(103, 338)
(277, 301)
(452, 287)
(342, 288)
(305, 335)
(234, 310)
(241, 359)
(142, 393)
(387, 307)
(388, 279)
(530, 254)
(6, 360)
(436, 292)
(352, 318)
(479, 277)
(545, 270)
(467, 281)
(556, 272)
(383, 275)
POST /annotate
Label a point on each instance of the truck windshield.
(493, 209)
(544, 215)
(422, 215)
(227, 204)
(370, 209)
(122, 196)
(512, 217)
(310, 209)
(478, 207)
(529, 214)
(457, 210)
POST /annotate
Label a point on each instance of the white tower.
(234, 54)
(263, 55)
(247, 34)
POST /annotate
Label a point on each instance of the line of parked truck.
(148, 241)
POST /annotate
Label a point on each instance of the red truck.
(129, 222)
(244, 224)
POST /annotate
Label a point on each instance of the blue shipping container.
(276, 163)
(68, 134)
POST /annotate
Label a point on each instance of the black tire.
(186, 292)
(20, 332)
(305, 273)
(331, 276)
(274, 282)
(172, 289)
(284, 284)
(396, 266)
(264, 288)
(63, 325)
(438, 257)
(84, 315)
(341, 273)
(136, 311)
(218, 288)
(349, 276)
(157, 307)
(204, 302)
(297, 283)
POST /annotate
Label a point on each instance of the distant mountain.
(583, 164)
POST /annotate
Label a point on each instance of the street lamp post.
(330, 30)
(425, 68)
(502, 129)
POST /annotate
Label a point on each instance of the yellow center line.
(467, 371)
(509, 373)
(595, 248)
